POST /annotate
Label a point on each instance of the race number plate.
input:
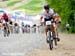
(48, 22)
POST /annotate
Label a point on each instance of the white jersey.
(45, 15)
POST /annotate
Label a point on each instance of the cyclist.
(23, 27)
(16, 27)
(6, 20)
(48, 15)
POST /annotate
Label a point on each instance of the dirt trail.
(66, 47)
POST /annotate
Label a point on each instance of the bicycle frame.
(50, 36)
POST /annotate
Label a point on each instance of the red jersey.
(5, 16)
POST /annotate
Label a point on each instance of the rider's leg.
(52, 29)
(6, 20)
(56, 32)
(46, 31)
(7, 25)
(57, 36)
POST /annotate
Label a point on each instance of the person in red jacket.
(5, 17)
(5, 20)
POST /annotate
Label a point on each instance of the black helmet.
(11, 22)
(46, 6)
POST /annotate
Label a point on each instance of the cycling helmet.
(15, 24)
(22, 23)
(11, 22)
(46, 6)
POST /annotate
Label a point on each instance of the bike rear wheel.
(55, 41)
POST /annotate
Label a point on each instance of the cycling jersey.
(48, 16)
(5, 17)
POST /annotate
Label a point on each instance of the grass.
(12, 2)
(34, 6)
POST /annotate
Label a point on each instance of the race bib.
(48, 22)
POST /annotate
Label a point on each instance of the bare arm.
(41, 19)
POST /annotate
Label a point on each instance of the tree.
(66, 10)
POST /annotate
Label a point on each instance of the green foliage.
(66, 10)
(12, 2)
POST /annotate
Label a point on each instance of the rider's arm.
(2, 18)
(41, 18)
(57, 18)
(9, 19)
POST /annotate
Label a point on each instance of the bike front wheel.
(51, 44)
